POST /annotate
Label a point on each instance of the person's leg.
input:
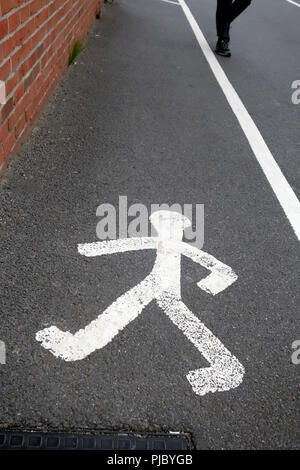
(223, 18)
(227, 11)
(237, 8)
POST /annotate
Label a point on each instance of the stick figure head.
(169, 224)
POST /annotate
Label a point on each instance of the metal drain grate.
(93, 440)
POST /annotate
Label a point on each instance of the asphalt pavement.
(140, 114)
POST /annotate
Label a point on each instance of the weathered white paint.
(294, 3)
(2, 353)
(2, 92)
(170, 1)
(282, 189)
(164, 285)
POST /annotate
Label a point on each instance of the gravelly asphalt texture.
(140, 114)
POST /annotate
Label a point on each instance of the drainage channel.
(92, 440)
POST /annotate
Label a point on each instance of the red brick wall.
(36, 37)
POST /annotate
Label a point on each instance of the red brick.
(16, 59)
(51, 8)
(35, 56)
(15, 147)
(20, 35)
(25, 13)
(18, 93)
(29, 112)
(9, 45)
(3, 131)
(30, 27)
(12, 121)
(19, 109)
(12, 83)
(3, 28)
(5, 70)
(29, 62)
(25, 50)
(7, 5)
(41, 18)
(38, 36)
(2, 156)
(23, 103)
(14, 21)
(39, 51)
(44, 60)
(9, 142)
(20, 125)
(35, 6)
(28, 80)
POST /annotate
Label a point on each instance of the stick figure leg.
(226, 372)
(96, 335)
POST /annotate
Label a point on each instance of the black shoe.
(222, 48)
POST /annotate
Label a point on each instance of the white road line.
(283, 191)
(170, 1)
(294, 3)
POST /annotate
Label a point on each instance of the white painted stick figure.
(2, 353)
(163, 285)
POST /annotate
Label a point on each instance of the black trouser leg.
(238, 7)
(223, 18)
(227, 11)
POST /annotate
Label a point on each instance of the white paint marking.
(294, 3)
(283, 191)
(2, 353)
(2, 92)
(163, 284)
(170, 1)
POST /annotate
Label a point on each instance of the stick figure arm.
(221, 277)
(117, 246)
